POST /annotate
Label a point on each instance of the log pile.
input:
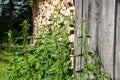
(42, 9)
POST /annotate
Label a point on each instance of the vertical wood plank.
(100, 19)
(93, 22)
(78, 16)
(89, 14)
(106, 35)
(117, 52)
(100, 16)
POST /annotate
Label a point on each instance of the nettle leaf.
(61, 25)
(81, 37)
(82, 45)
(88, 36)
(37, 65)
(83, 71)
(50, 25)
(90, 53)
(49, 58)
(97, 59)
(106, 75)
(80, 55)
(82, 78)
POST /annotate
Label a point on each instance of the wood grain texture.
(99, 15)
(78, 16)
(103, 23)
(106, 35)
(117, 43)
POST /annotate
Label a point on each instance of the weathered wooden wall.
(78, 16)
(103, 23)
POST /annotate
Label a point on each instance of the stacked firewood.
(42, 9)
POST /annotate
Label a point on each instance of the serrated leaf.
(83, 71)
(81, 45)
(90, 53)
(80, 55)
(81, 37)
(88, 36)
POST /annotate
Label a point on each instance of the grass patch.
(4, 62)
(3, 71)
(3, 67)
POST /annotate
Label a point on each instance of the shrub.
(49, 58)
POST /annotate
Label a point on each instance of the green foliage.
(29, 2)
(10, 36)
(10, 19)
(48, 59)
(3, 65)
(92, 62)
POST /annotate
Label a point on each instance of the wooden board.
(117, 43)
(103, 25)
(78, 16)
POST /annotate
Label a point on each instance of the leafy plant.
(91, 67)
(49, 58)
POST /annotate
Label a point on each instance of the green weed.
(91, 68)
(49, 58)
